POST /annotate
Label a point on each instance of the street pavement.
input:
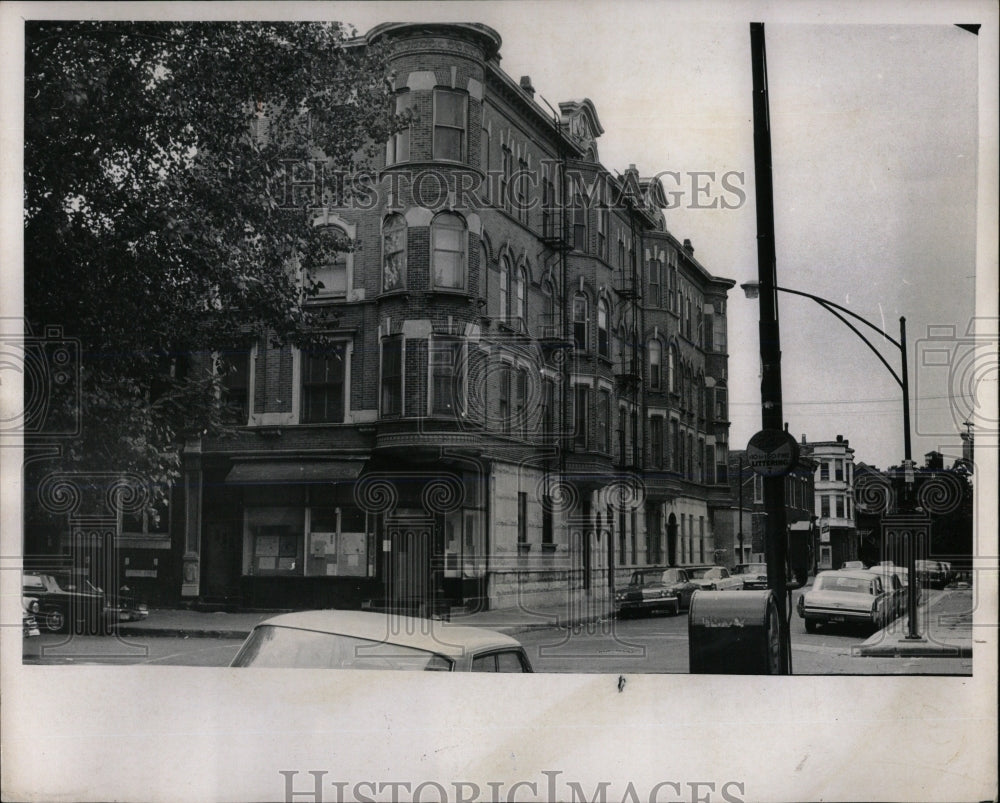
(945, 622)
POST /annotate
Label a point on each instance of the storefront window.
(273, 541)
(338, 544)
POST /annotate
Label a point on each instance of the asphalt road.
(656, 644)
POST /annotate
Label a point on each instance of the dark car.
(679, 582)
(68, 601)
(29, 622)
(754, 575)
(647, 593)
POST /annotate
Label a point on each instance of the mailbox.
(733, 633)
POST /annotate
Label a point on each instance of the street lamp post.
(772, 419)
(902, 379)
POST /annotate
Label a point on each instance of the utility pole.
(772, 418)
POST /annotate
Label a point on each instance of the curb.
(180, 632)
(915, 649)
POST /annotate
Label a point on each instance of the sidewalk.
(944, 621)
(183, 623)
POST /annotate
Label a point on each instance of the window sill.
(549, 548)
(523, 548)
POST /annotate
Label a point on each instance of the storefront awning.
(274, 472)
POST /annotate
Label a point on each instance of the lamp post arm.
(829, 307)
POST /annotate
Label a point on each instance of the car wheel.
(55, 621)
(811, 625)
(675, 611)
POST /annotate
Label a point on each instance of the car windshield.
(645, 578)
(673, 576)
(68, 582)
(752, 568)
(291, 648)
(852, 585)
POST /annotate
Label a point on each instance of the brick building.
(526, 396)
(747, 511)
(838, 539)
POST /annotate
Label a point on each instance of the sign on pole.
(772, 453)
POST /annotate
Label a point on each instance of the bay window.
(450, 110)
(448, 251)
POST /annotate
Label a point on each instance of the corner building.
(526, 396)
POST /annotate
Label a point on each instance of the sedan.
(333, 639)
(678, 581)
(646, 593)
(754, 575)
(67, 602)
(29, 610)
(847, 595)
(714, 578)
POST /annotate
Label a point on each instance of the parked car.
(892, 582)
(714, 578)
(29, 612)
(647, 593)
(854, 564)
(679, 582)
(754, 575)
(69, 601)
(930, 574)
(332, 639)
(847, 595)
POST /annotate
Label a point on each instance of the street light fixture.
(752, 290)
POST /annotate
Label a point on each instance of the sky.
(874, 142)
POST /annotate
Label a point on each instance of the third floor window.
(450, 110)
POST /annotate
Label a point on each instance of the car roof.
(861, 574)
(433, 635)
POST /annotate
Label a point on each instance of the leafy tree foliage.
(158, 223)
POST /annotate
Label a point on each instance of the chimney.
(840, 439)
(526, 85)
(688, 247)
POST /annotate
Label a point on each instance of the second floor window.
(602, 328)
(398, 147)
(323, 375)
(580, 321)
(394, 253)
(604, 421)
(824, 470)
(579, 223)
(520, 295)
(392, 376)
(503, 288)
(449, 125)
(448, 239)
(447, 376)
(582, 413)
(656, 441)
(234, 367)
(655, 360)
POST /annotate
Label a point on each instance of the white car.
(714, 578)
(333, 639)
(847, 595)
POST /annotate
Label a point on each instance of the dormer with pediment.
(579, 117)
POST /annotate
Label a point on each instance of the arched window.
(655, 360)
(394, 253)
(549, 320)
(448, 251)
(521, 295)
(581, 313)
(332, 274)
(602, 328)
(503, 310)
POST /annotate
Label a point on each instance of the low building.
(837, 539)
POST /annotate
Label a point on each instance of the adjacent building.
(837, 539)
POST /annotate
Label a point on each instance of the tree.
(158, 225)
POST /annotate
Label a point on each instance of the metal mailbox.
(733, 633)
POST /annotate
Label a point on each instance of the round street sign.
(772, 453)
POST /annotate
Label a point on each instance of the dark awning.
(267, 472)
